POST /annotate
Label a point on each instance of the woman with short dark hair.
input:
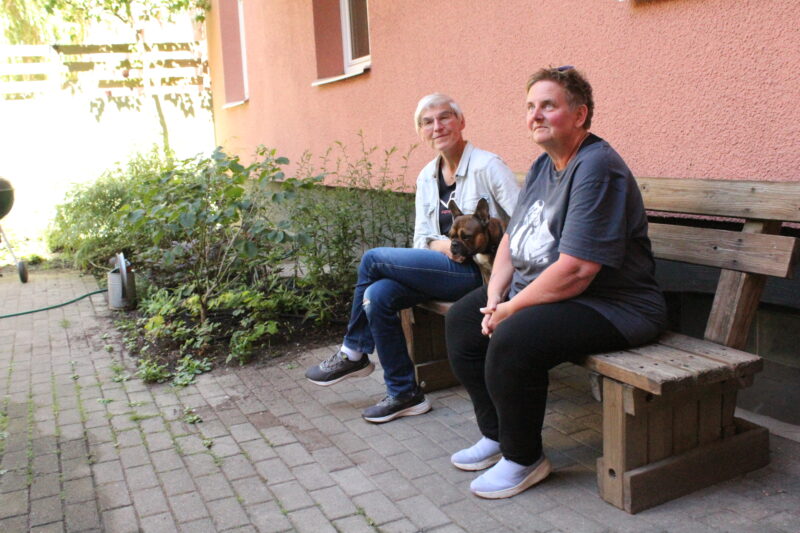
(574, 275)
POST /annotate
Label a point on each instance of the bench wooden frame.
(668, 407)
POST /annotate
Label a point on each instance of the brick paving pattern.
(83, 448)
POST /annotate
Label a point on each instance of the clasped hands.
(494, 313)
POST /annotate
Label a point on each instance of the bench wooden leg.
(624, 444)
(424, 332)
(705, 465)
(656, 449)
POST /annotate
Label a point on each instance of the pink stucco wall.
(683, 88)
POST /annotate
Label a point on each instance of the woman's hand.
(488, 323)
(493, 318)
(443, 246)
(498, 286)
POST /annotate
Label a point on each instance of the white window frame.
(352, 65)
(245, 81)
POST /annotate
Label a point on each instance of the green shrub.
(231, 256)
(362, 205)
(86, 228)
(209, 226)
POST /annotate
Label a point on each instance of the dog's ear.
(496, 230)
(454, 209)
(482, 212)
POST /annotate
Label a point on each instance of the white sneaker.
(507, 478)
(480, 455)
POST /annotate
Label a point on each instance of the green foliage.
(138, 417)
(209, 226)
(28, 22)
(3, 432)
(190, 417)
(86, 228)
(48, 21)
(127, 11)
(365, 208)
(119, 372)
(231, 256)
(244, 340)
(187, 369)
(150, 371)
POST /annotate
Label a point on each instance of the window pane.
(359, 28)
(233, 52)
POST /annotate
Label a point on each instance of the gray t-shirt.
(591, 210)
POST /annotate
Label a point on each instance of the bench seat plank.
(743, 363)
(639, 371)
(437, 306)
(703, 370)
(663, 369)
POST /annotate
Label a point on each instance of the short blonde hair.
(435, 100)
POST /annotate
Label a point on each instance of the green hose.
(53, 306)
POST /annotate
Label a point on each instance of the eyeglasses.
(444, 116)
(564, 68)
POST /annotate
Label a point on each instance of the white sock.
(485, 447)
(508, 472)
(353, 355)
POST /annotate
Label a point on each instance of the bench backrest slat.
(738, 199)
(773, 255)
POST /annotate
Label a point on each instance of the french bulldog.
(476, 236)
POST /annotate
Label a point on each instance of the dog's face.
(477, 233)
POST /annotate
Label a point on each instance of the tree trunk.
(163, 123)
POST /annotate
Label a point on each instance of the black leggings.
(507, 376)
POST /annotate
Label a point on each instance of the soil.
(305, 337)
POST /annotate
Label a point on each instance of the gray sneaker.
(338, 367)
(392, 407)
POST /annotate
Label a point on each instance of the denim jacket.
(480, 174)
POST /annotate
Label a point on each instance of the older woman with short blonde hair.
(392, 279)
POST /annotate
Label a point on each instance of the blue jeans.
(391, 279)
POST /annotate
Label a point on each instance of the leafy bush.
(232, 256)
(361, 205)
(209, 225)
(86, 229)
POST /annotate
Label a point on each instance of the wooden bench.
(668, 407)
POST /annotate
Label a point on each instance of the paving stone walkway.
(84, 449)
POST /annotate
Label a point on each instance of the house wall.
(683, 88)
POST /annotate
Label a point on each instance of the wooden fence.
(110, 70)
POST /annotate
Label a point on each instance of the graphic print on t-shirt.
(532, 241)
(446, 193)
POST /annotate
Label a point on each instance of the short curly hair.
(579, 91)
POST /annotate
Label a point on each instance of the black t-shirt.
(446, 193)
